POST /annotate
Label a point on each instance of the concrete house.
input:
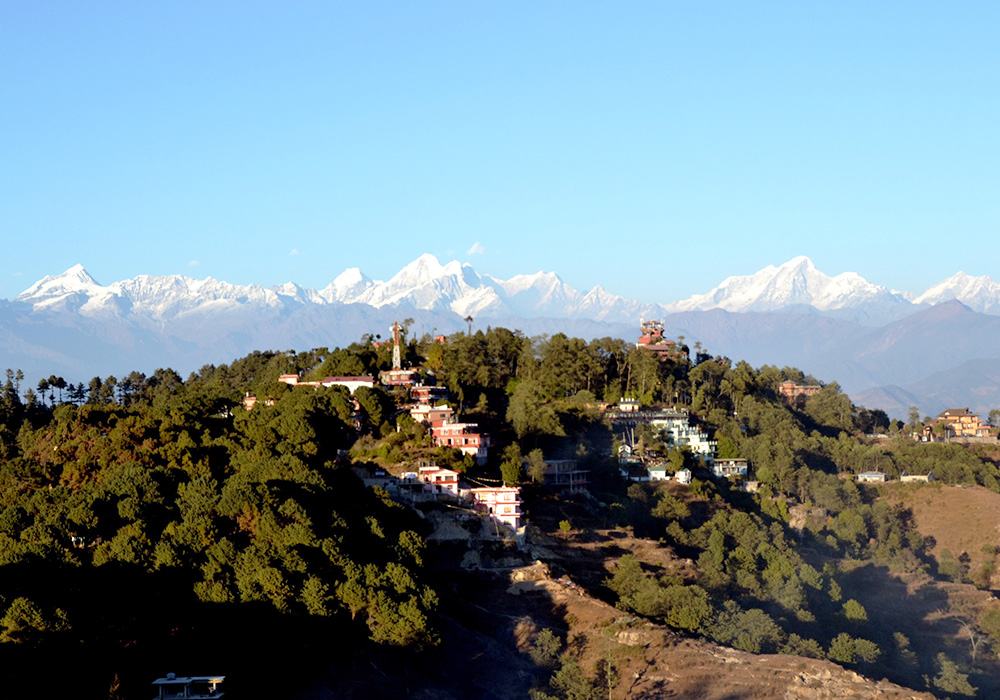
(502, 503)
(724, 468)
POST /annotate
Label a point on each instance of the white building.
(681, 433)
(432, 415)
(658, 473)
(503, 503)
(351, 383)
(439, 480)
(724, 468)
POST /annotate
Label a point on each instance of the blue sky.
(651, 148)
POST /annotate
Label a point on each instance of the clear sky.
(653, 148)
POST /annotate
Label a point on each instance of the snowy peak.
(69, 291)
(76, 279)
(427, 284)
(294, 294)
(349, 285)
(795, 283)
(978, 293)
(521, 283)
(423, 269)
(540, 294)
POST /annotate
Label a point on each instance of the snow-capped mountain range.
(795, 283)
(887, 346)
(428, 285)
(424, 284)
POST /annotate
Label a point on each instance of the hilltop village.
(431, 406)
(669, 438)
(494, 516)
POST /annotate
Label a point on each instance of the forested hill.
(153, 524)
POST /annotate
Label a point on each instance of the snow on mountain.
(601, 305)
(349, 285)
(428, 285)
(978, 293)
(75, 279)
(540, 294)
(175, 295)
(69, 291)
(289, 292)
(796, 283)
(151, 296)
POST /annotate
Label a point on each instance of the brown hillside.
(961, 520)
(496, 599)
(653, 662)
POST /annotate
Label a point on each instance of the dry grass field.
(961, 520)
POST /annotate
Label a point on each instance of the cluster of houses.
(674, 423)
(676, 426)
(636, 469)
(446, 429)
(502, 504)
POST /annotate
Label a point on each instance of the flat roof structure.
(174, 687)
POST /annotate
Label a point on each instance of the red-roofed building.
(795, 394)
(651, 338)
(462, 436)
(428, 394)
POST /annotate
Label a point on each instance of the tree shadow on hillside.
(139, 626)
(917, 607)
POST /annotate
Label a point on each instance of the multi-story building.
(681, 433)
(795, 394)
(433, 416)
(724, 468)
(438, 480)
(957, 422)
(566, 474)
(462, 436)
(399, 377)
(503, 503)
(651, 338)
(428, 394)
